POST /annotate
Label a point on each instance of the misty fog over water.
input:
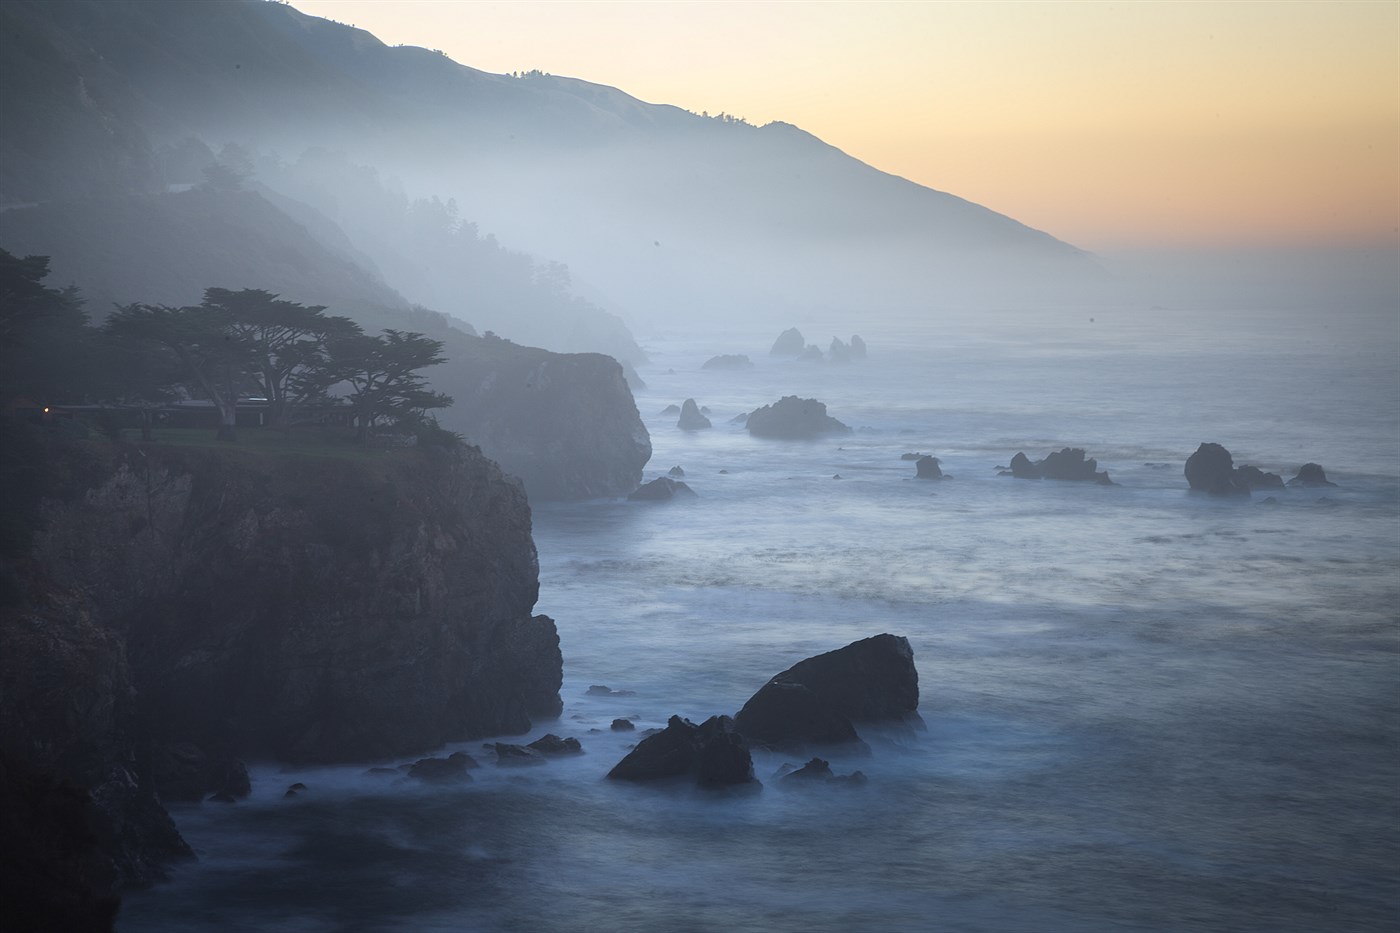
(1146, 709)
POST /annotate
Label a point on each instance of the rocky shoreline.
(171, 611)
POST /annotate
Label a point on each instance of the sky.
(1112, 125)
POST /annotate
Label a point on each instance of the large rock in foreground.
(712, 753)
(817, 701)
(793, 418)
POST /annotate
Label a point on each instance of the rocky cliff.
(165, 603)
(565, 423)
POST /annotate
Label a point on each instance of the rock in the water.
(712, 753)
(663, 489)
(511, 756)
(552, 744)
(671, 410)
(1022, 468)
(1310, 474)
(601, 690)
(928, 468)
(675, 471)
(1255, 478)
(789, 343)
(793, 418)
(728, 361)
(452, 769)
(817, 771)
(816, 701)
(1212, 469)
(691, 419)
(813, 354)
(623, 725)
(1068, 463)
(858, 349)
(741, 418)
(911, 456)
(838, 352)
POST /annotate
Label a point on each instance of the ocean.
(1146, 709)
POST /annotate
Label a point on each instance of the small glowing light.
(46, 409)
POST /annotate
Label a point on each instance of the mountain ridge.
(561, 167)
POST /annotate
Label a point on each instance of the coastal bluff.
(167, 603)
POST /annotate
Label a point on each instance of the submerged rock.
(789, 343)
(1310, 474)
(691, 419)
(513, 756)
(552, 744)
(623, 725)
(662, 489)
(1255, 478)
(451, 769)
(817, 701)
(601, 690)
(817, 771)
(728, 361)
(712, 753)
(793, 418)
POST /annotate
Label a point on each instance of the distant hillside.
(168, 248)
(655, 210)
(102, 101)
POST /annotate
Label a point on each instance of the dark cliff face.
(311, 608)
(565, 423)
(303, 608)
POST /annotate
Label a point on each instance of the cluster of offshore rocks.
(1210, 469)
(789, 418)
(792, 345)
(813, 705)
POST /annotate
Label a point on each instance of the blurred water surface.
(1146, 709)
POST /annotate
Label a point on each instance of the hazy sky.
(1110, 125)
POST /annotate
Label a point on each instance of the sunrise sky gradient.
(1111, 125)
